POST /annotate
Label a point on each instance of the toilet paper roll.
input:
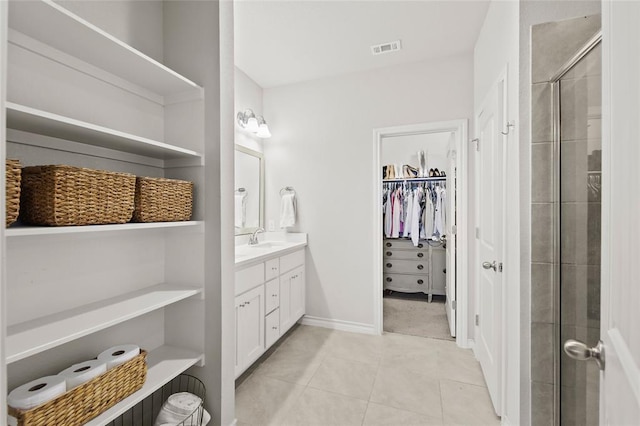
(37, 392)
(120, 354)
(81, 373)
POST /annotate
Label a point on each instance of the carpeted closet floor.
(412, 314)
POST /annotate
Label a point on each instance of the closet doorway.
(420, 246)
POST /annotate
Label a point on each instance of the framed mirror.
(249, 190)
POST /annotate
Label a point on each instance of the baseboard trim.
(354, 327)
(504, 421)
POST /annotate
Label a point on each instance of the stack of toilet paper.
(45, 389)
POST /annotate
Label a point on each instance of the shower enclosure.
(577, 104)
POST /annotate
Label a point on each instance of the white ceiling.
(283, 42)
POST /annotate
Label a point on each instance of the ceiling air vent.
(391, 46)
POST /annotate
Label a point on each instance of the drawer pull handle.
(389, 265)
(420, 267)
(420, 245)
(274, 295)
(248, 303)
(420, 254)
(388, 253)
(274, 328)
(389, 279)
(389, 244)
(420, 282)
(242, 305)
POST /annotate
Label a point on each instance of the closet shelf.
(35, 336)
(163, 364)
(20, 117)
(23, 231)
(52, 24)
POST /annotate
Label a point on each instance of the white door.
(489, 233)
(620, 302)
(451, 237)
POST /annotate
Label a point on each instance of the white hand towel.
(241, 209)
(288, 210)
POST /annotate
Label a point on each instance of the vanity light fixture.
(255, 124)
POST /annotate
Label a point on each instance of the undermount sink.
(269, 244)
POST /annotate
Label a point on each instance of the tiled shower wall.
(552, 45)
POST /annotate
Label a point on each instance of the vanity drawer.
(292, 260)
(248, 278)
(272, 269)
(271, 295)
(400, 266)
(272, 328)
(402, 244)
(392, 254)
(406, 283)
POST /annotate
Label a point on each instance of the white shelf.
(23, 231)
(32, 337)
(20, 117)
(52, 24)
(163, 364)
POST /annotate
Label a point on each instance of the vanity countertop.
(271, 244)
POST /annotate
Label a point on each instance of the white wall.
(496, 51)
(323, 146)
(247, 95)
(404, 149)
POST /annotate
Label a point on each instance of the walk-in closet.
(418, 204)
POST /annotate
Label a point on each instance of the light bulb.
(263, 131)
(252, 125)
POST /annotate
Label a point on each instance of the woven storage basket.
(13, 173)
(162, 200)
(65, 195)
(81, 404)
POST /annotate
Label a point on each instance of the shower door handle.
(489, 265)
(578, 350)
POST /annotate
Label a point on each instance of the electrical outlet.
(272, 225)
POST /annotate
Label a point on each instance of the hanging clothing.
(440, 219)
(388, 216)
(396, 211)
(415, 216)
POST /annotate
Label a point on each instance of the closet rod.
(428, 179)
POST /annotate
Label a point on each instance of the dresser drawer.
(272, 269)
(271, 295)
(402, 243)
(400, 266)
(417, 254)
(248, 278)
(272, 328)
(406, 283)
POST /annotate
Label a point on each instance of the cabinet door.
(249, 328)
(292, 298)
(297, 294)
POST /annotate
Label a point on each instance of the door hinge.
(477, 319)
(477, 232)
(500, 267)
(454, 230)
(477, 141)
(454, 305)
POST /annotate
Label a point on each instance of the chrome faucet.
(253, 239)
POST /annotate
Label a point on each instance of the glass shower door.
(578, 139)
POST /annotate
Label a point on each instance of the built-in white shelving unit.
(59, 28)
(80, 96)
(20, 117)
(23, 231)
(164, 363)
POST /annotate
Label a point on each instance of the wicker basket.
(65, 195)
(81, 404)
(13, 173)
(162, 200)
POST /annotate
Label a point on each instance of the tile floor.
(318, 376)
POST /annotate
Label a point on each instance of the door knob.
(489, 265)
(578, 350)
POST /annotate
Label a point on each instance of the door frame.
(502, 83)
(460, 129)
